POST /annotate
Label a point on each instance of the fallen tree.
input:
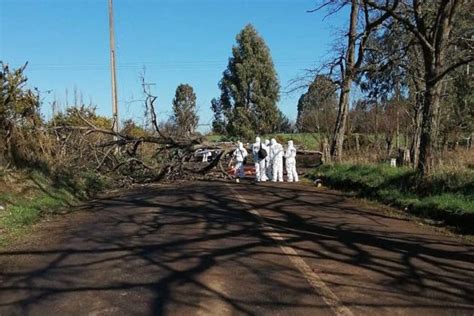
(157, 156)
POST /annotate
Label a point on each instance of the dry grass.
(456, 160)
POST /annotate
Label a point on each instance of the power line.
(285, 62)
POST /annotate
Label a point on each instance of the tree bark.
(357, 142)
(326, 157)
(347, 78)
(389, 142)
(415, 145)
(341, 122)
(428, 127)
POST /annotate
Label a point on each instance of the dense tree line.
(411, 60)
(408, 63)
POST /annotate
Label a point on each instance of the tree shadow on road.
(176, 248)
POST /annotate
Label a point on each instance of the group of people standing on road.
(268, 160)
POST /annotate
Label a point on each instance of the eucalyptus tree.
(249, 88)
(184, 110)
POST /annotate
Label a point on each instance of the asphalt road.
(214, 248)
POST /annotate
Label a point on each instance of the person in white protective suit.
(276, 158)
(259, 153)
(268, 165)
(239, 155)
(290, 156)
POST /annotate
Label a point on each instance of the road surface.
(215, 248)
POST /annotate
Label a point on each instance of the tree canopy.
(317, 106)
(184, 110)
(249, 88)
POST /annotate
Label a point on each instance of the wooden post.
(115, 117)
(357, 142)
(326, 154)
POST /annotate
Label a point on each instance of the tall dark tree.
(317, 107)
(218, 123)
(184, 108)
(249, 87)
(284, 125)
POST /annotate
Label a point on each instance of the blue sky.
(177, 41)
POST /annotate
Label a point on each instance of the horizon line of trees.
(405, 56)
(410, 61)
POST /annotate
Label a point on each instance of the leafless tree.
(363, 21)
(444, 47)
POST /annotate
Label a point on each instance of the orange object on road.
(248, 171)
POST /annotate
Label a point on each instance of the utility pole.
(115, 116)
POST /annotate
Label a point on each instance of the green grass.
(309, 141)
(214, 138)
(445, 196)
(33, 195)
(27, 212)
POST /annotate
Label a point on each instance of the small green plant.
(19, 216)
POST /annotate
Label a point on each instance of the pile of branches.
(158, 156)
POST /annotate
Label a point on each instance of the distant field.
(312, 141)
(308, 141)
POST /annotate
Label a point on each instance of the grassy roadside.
(445, 196)
(28, 195)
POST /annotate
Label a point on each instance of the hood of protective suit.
(241, 146)
(257, 139)
(273, 141)
(290, 144)
(267, 142)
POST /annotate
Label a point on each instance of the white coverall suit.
(276, 159)
(240, 154)
(290, 157)
(259, 162)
